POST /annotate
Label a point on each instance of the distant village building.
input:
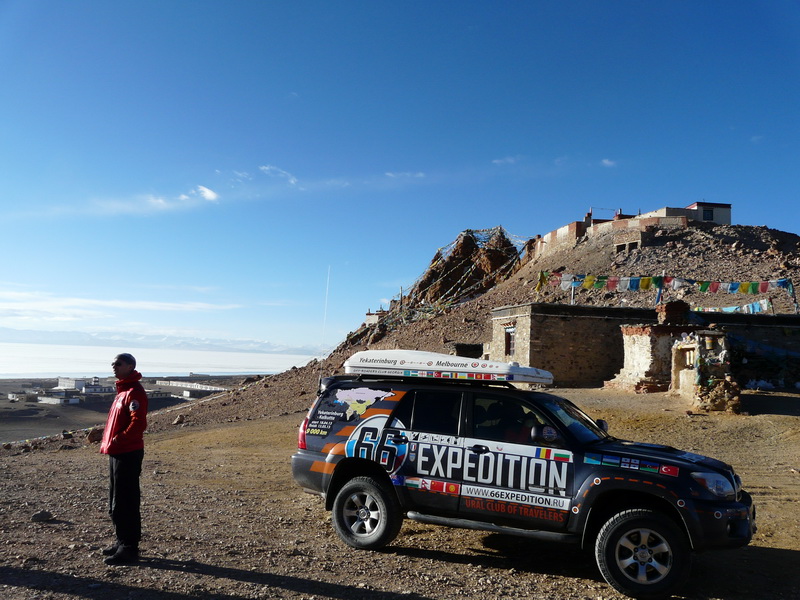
(69, 383)
(71, 387)
(158, 395)
(59, 399)
(191, 385)
(85, 386)
(98, 389)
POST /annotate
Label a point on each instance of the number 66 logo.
(372, 440)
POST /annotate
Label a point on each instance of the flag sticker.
(630, 463)
(669, 470)
(593, 459)
(648, 466)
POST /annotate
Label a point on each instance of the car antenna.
(324, 325)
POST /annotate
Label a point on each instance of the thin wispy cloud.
(405, 175)
(508, 160)
(608, 163)
(20, 307)
(198, 289)
(279, 173)
(133, 205)
(152, 203)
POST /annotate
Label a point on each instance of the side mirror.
(602, 424)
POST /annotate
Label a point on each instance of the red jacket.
(127, 418)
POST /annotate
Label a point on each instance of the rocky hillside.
(731, 253)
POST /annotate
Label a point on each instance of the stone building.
(647, 349)
(579, 345)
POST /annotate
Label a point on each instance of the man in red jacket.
(123, 441)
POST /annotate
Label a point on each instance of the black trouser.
(124, 496)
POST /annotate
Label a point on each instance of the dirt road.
(224, 520)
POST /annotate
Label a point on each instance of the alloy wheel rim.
(643, 556)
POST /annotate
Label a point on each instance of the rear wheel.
(366, 514)
(643, 553)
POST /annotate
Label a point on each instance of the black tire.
(643, 553)
(366, 514)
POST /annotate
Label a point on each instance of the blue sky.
(272, 170)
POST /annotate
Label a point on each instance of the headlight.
(717, 484)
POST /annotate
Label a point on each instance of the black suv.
(463, 451)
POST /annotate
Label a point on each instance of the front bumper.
(724, 524)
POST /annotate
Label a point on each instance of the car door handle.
(478, 449)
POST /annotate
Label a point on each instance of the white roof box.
(414, 363)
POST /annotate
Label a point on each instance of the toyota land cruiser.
(450, 441)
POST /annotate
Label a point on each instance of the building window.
(708, 214)
(510, 334)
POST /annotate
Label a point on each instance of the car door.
(430, 420)
(516, 471)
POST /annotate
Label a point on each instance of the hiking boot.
(111, 550)
(123, 556)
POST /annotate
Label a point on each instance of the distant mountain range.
(137, 340)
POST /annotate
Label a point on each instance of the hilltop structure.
(629, 231)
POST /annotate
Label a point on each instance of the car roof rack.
(431, 366)
(326, 382)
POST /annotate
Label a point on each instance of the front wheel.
(643, 553)
(366, 514)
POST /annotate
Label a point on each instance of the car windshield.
(574, 419)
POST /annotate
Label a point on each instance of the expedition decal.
(499, 469)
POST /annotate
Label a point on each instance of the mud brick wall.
(579, 345)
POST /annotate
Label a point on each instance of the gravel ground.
(223, 518)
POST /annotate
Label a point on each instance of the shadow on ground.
(42, 582)
(772, 403)
(742, 574)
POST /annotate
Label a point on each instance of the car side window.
(430, 411)
(507, 419)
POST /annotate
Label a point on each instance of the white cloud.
(206, 193)
(608, 163)
(757, 139)
(508, 160)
